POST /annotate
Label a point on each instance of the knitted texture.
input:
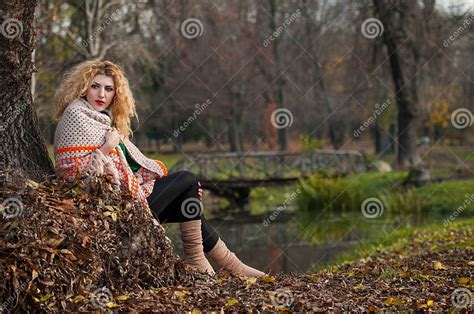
(79, 135)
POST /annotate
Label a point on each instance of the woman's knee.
(188, 178)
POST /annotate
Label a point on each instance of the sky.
(466, 4)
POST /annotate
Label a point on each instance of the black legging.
(175, 198)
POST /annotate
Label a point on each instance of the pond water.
(292, 243)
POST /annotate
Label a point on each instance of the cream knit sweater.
(80, 132)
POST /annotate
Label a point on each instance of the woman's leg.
(167, 190)
(209, 234)
(175, 198)
(213, 246)
(184, 187)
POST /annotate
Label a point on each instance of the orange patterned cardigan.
(80, 132)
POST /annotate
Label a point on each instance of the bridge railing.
(270, 165)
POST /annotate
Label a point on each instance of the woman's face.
(101, 92)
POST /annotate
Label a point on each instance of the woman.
(94, 106)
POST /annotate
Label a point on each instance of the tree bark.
(23, 148)
(313, 30)
(399, 36)
(234, 132)
(280, 81)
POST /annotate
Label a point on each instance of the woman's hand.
(112, 139)
(200, 191)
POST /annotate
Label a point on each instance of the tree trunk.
(317, 74)
(280, 82)
(329, 108)
(236, 131)
(23, 148)
(378, 138)
(236, 128)
(399, 38)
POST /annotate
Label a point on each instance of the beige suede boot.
(224, 258)
(192, 245)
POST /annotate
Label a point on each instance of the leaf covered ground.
(81, 247)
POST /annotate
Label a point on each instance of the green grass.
(168, 159)
(264, 199)
(469, 157)
(448, 196)
(321, 192)
(347, 194)
(371, 183)
(400, 238)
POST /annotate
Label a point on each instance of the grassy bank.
(402, 241)
(323, 193)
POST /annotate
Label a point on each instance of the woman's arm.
(112, 139)
(74, 156)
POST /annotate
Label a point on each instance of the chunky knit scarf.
(80, 132)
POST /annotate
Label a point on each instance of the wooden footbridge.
(233, 174)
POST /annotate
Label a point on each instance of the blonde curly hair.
(78, 80)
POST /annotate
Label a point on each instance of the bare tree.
(400, 20)
(23, 148)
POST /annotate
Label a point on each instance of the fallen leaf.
(464, 281)
(438, 265)
(394, 301)
(182, 294)
(45, 297)
(232, 302)
(112, 305)
(250, 280)
(268, 278)
(79, 298)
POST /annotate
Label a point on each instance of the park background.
(387, 81)
(293, 76)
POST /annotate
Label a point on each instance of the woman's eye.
(95, 86)
(109, 89)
